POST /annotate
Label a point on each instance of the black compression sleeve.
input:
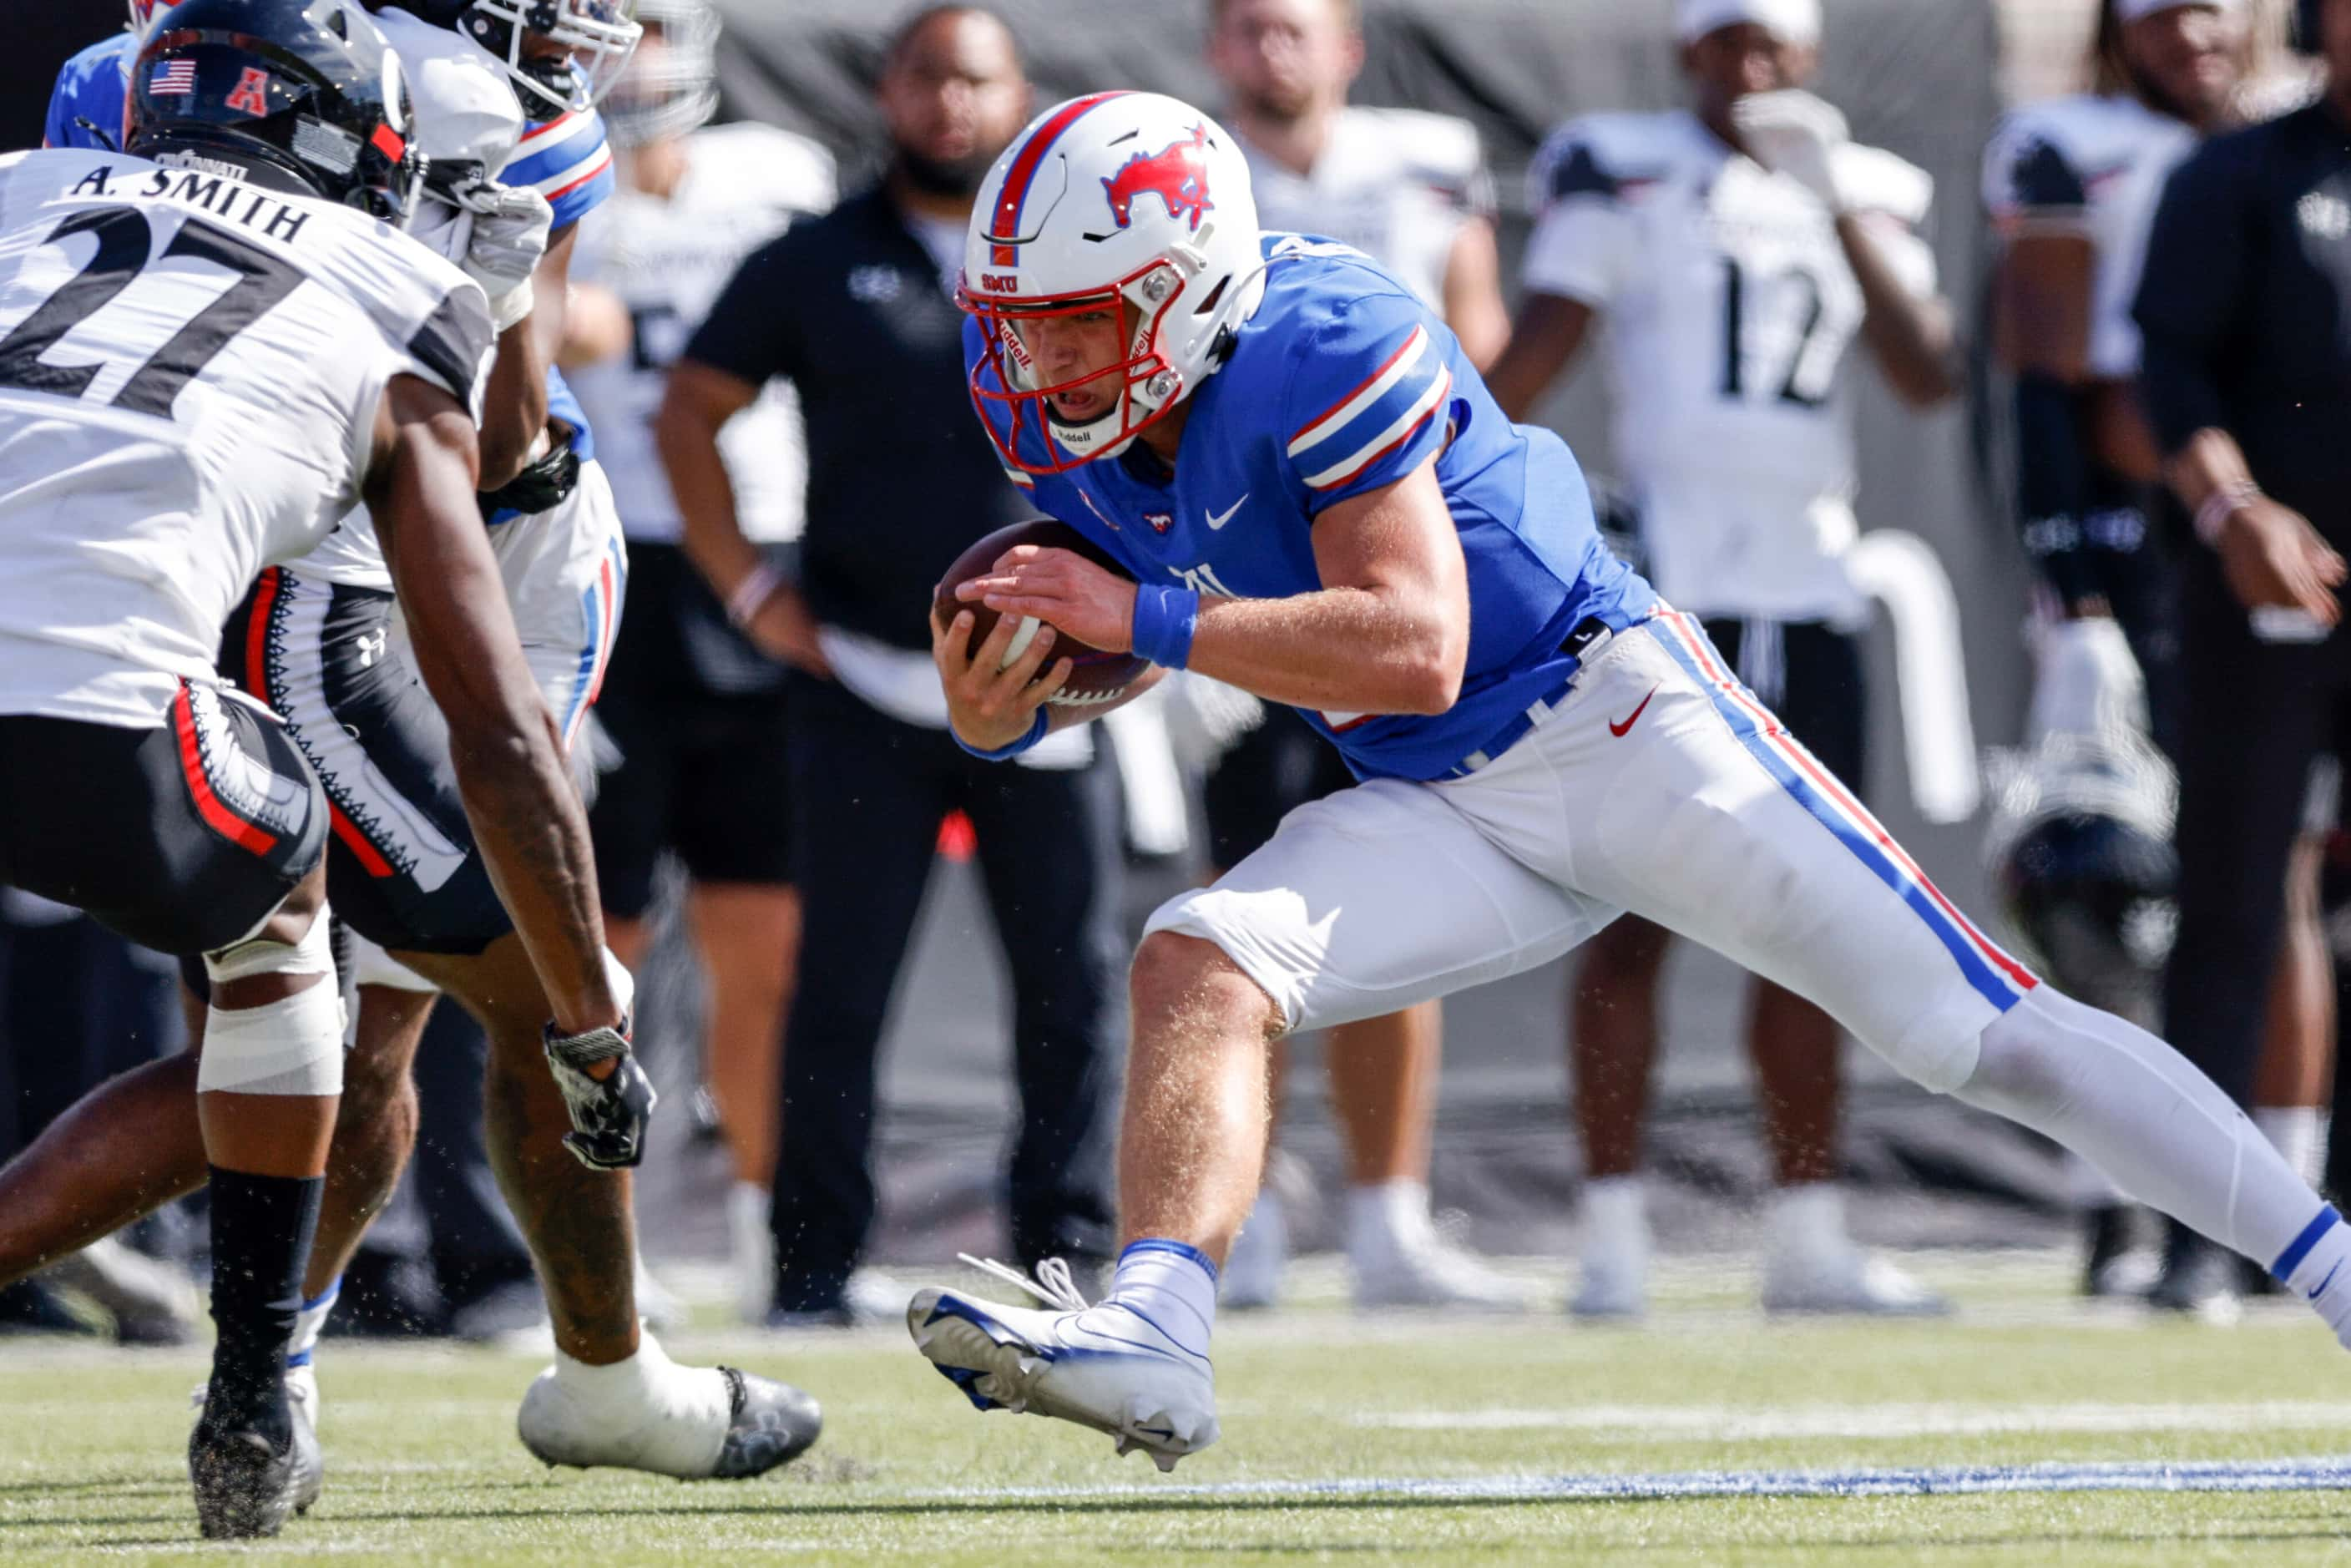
(2053, 484)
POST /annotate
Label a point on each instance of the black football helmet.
(303, 95)
(2085, 871)
(597, 38)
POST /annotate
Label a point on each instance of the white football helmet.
(1125, 198)
(672, 84)
(598, 37)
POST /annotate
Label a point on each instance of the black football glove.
(609, 1115)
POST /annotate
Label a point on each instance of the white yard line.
(2227, 1476)
(1686, 1423)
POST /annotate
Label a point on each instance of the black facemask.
(945, 177)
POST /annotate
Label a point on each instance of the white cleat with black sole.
(1105, 1366)
(695, 1423)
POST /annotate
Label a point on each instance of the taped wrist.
(292, 1046)
(2053, 483)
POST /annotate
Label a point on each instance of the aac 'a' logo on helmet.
(1177, 175)
(251, 94)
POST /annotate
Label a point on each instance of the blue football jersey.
(1342, 382)
(91, 91)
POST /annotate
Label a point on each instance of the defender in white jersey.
(2072, 187)
(340, 659)
(695, 709)
(1737, 250)
(203, 365)
(1411, 190)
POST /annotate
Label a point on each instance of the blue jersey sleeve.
(91, 88)
(568, 161)
(1367, 399)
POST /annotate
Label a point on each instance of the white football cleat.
(1105, 1366)
(1252, 1277)
(1611, 1286)
(695, 1423)
(1845, 1279)
(1430, 1272)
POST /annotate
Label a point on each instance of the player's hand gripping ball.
(1096, 676)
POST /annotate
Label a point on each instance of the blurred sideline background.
(1925, 78)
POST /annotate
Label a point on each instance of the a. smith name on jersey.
(218, 190)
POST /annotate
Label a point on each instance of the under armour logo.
(371, 646)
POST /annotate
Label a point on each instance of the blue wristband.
(1005, 753)
(1165, 622)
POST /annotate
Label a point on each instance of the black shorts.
(182, 838)
(698, 715)
(402, 869)
(1811, 675)
(1270, 771)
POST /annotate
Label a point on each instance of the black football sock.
(262, 1227)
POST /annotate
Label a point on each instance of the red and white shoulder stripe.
(1378, 415)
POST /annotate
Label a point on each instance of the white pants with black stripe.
(1662, 786)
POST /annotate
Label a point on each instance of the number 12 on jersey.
(1795, 294)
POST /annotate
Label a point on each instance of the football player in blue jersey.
(1320, 502)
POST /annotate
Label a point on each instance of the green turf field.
(1428, 1440)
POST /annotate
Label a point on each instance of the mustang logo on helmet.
(1177, 175)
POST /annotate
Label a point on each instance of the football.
(1095, 678)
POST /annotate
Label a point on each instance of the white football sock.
(309, 1321)
(1806, 1220)
(2294, 1132)
(751, 1250)
(1615, 1223)
(648, 1410)
(2135, 1108)
(1171, 1283)
(1388, 1219)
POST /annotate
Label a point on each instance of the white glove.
(511, 224)
(1796, 135)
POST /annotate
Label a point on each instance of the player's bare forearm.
(1546, 338)
(1913, 338)
(514, 409)
(696, 402)
(1473, 293)
(1364, 650)
(504, 744)
(2041, 305)
(514, 406)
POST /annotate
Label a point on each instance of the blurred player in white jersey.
(1412, 190)
(2072, 185)
(325, 642)
(201, 434)
(695, 708)
(1737, 250)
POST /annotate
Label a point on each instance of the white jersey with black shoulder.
(190, 370)
(2092, 166)
(1396, 183)
(668, 259)
(1730, 310)
(465, 113)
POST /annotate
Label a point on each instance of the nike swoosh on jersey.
(1621, 731)
(1218, 519)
